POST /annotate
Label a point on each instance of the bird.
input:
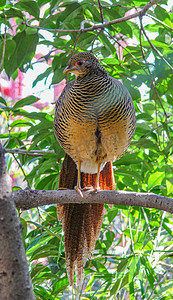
(94, 123)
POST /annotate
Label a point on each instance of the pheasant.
(94, 123)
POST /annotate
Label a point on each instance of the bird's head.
(82, 63)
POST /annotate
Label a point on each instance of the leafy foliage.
(133, 255)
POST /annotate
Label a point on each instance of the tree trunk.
(15, 282)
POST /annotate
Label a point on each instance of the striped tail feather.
(81, 222)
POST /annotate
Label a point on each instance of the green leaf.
(12, 13)
(106, 43)
(2, 100)
(161, 13)
(42, 76)
(61, 284)
(25, 101)
(123, 264)
(133, 265)
(23, 53)
(110, 61)
(155, 179)
(131, 290)
(20, 135)
(2, 3)
(169, 185)
(20, 123)
(30, 6)
(70, 10)
(149, 271)
(112, 214)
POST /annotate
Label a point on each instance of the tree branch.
(29, 153)
(153, 84)
(154, 48)
(26, 199)
(101, 11)
(99, 26)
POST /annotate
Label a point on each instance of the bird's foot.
(87, 189)
(78, 190)
(91, 189)
(62, 188)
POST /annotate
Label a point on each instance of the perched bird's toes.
(95, 190)
(87, 188)
(62, 188)
(91, 189)
(79, 191)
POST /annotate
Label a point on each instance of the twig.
(152, 293)
(153, 83)
(165, 113)
(20, 166)
(115, 39)
(80, 32)
(76, 41)
(119, 5)
(94, 39)
(154, 48)
(99, 26)
(27, 199)
(30, 153)
(152, 80)
(159, 21)
(159, 230)
(4, 43)
(101, 11)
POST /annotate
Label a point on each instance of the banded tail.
(81, 222)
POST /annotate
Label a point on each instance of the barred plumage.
(94, 101)
(94, 123)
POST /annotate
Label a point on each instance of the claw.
(79, 191)
(91, 189)
(95, 190)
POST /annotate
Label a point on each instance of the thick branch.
(101, 26)
(26, 199)
(15, 282)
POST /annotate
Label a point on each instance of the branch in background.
(94, 39)
(153, 82)
(27, 199)
(101, 11)
(154, 48)
(21, 167)
(99, 26)
(125, 48)
(159, 281)
(15, 282)
(29, 153)
(159, 21)
(76, 41)
(119, 5)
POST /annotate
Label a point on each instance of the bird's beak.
(66, 70)
(72, 69)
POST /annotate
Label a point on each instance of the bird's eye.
(80, 63)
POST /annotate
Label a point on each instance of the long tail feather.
(81, 222)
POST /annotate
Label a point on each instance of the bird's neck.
(93, 73)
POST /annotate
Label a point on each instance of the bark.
(15, 282)
(26, 199)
